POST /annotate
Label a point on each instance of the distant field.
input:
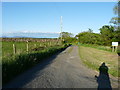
(93, 58)
(21, 45)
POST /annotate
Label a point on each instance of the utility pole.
(61, 22)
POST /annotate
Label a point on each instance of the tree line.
(107, 35)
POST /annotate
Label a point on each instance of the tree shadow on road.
(103, 79)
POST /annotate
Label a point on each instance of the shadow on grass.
(21, 80)
(103, 79)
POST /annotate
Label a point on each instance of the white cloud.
(27, 31)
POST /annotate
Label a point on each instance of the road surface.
(63, 70)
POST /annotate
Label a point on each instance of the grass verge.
(93, 58)
(105, 48)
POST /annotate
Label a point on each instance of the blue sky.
(45, 16)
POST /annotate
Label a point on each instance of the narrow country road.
(64, 70)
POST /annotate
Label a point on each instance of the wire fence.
(11, 47)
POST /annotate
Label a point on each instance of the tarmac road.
(64, 70)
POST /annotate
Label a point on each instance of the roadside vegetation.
(15, 64)
(94, 57)
(100, 47)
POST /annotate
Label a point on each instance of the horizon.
(45, 16)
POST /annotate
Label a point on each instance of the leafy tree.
(89, 38)
(67, 37)
(116, 22)
(90, 30)
(116, 9)
(107, 34)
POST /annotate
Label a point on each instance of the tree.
(89, 38)
(90, 30)
(67, 37)
(116, 22)
(107, 34)
(116, 10)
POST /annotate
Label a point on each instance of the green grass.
(15, 64)
(7, 47)
(93, 58)
(105, 48)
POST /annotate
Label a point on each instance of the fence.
(16, 47)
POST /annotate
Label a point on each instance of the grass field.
(21, 47)
(94, 57)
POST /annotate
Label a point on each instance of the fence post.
(14, 49)
(112, 48)
(116, 49)
(27, 47)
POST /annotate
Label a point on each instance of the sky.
(45, 16)
(59, 0)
